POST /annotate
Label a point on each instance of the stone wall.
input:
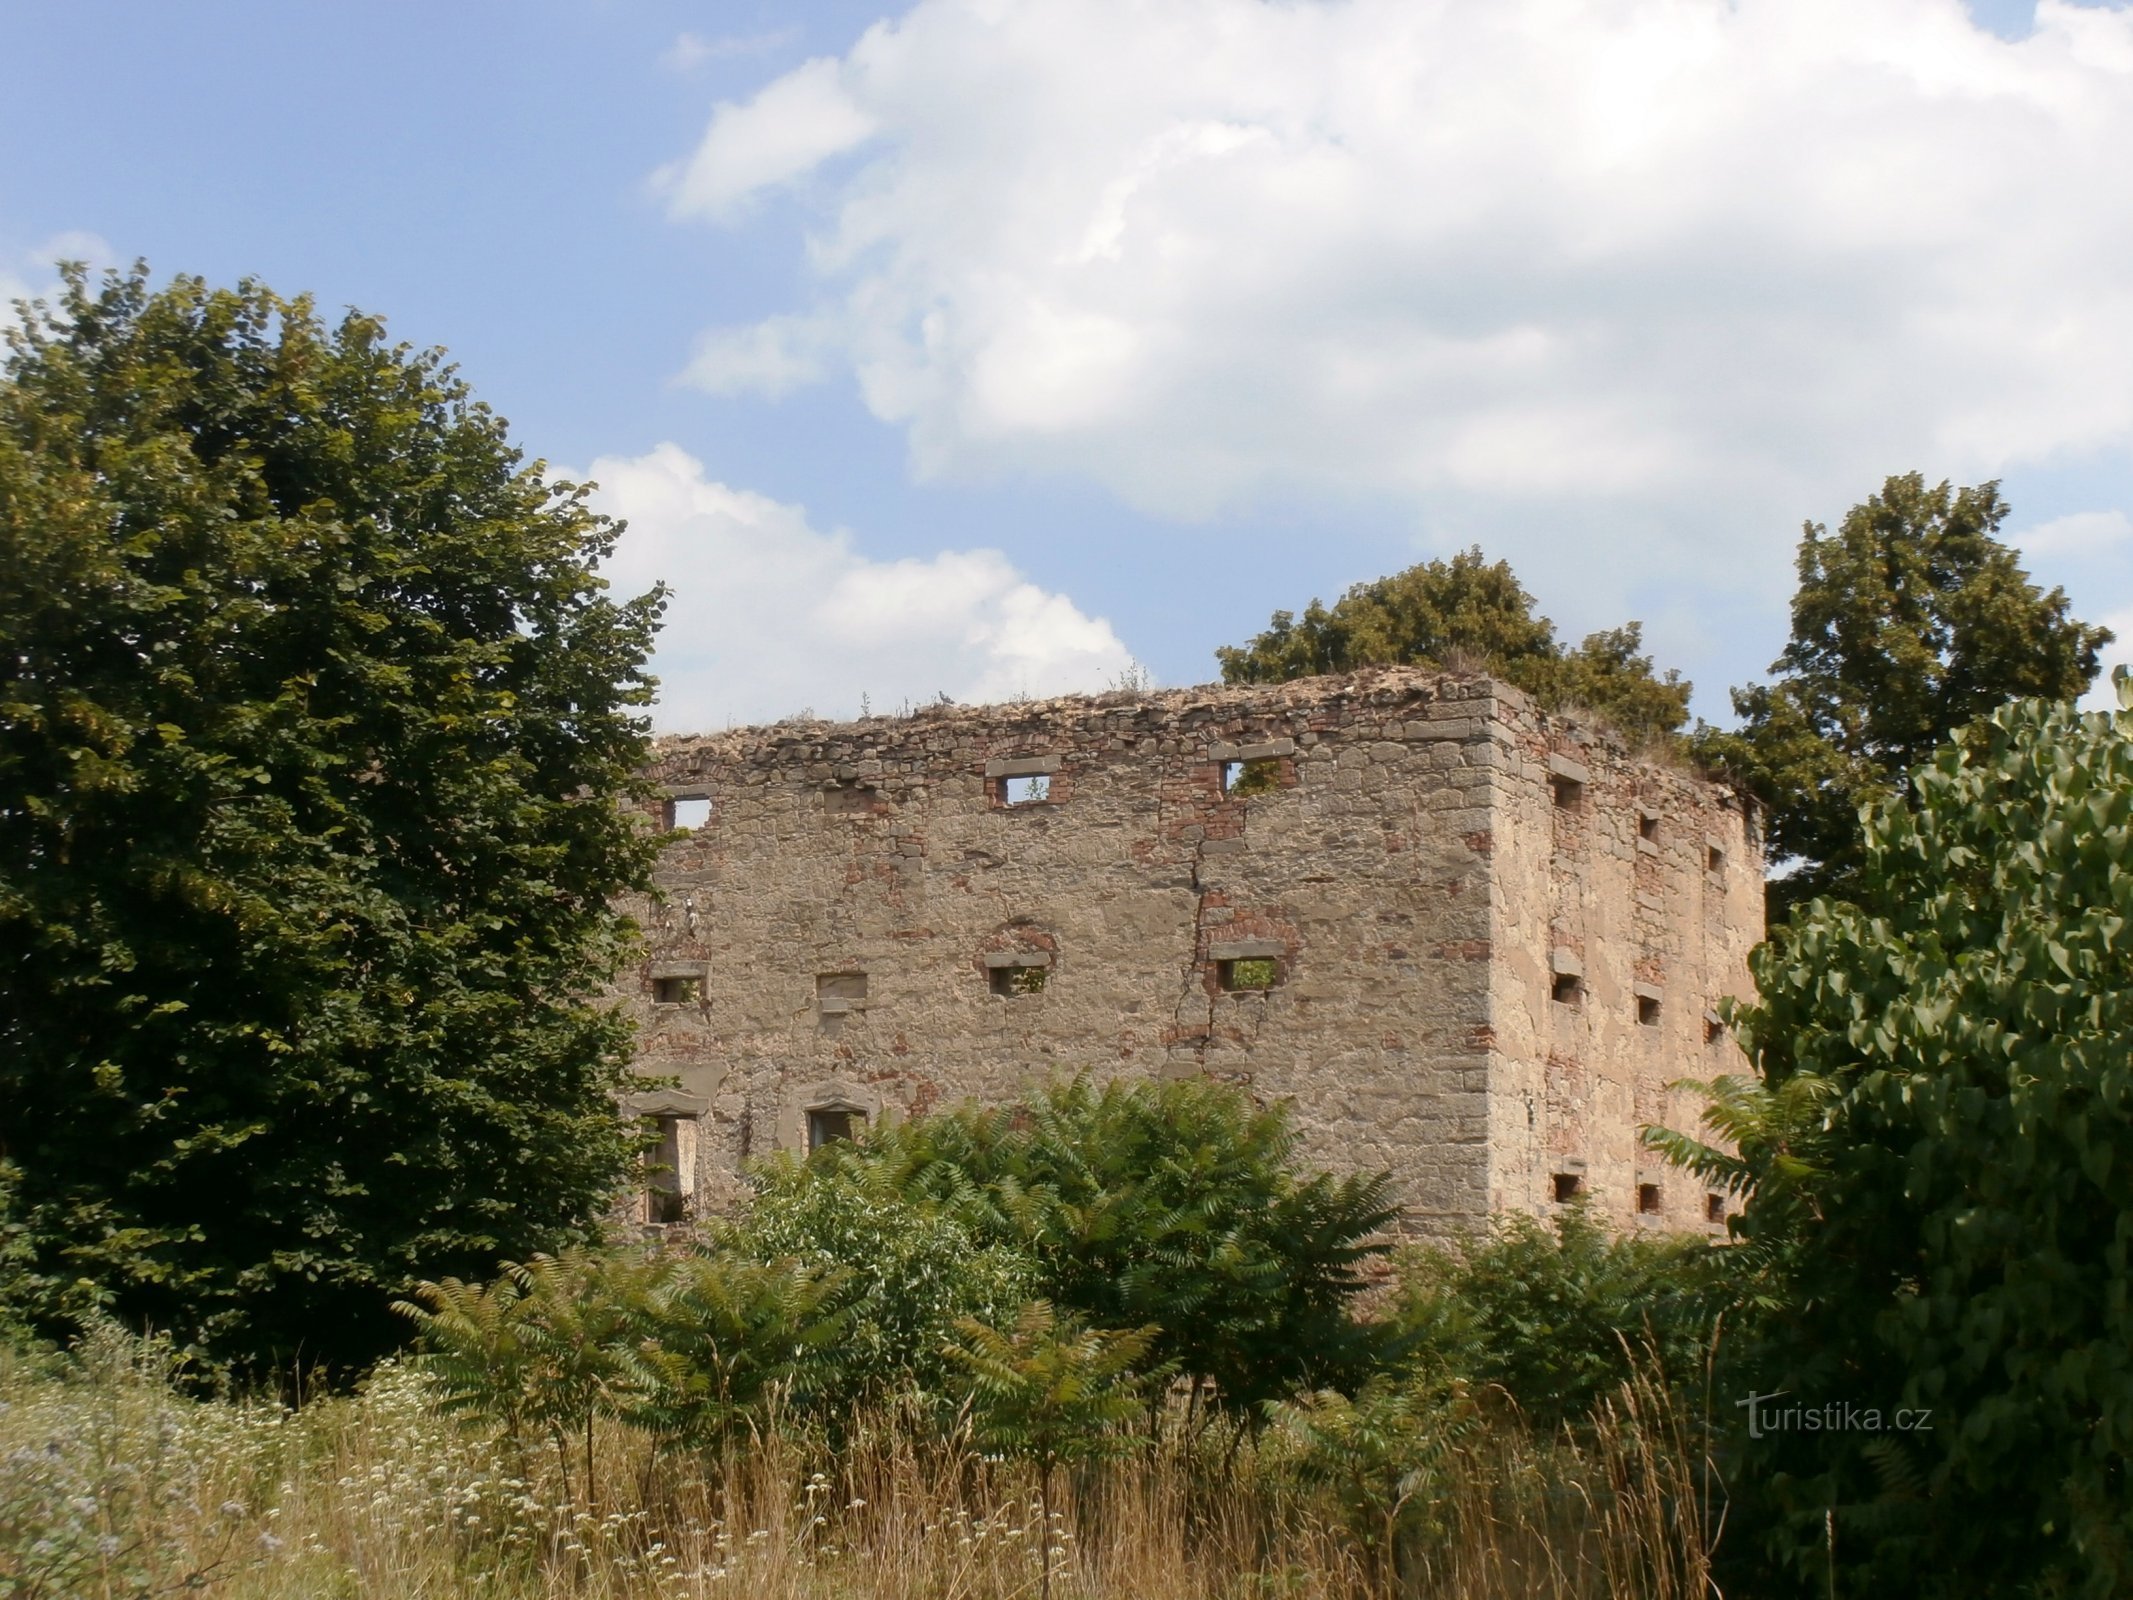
(878, 917)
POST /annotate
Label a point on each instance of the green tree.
(1910, 621)
(1175, 1205)
(905, 1273)
(1441, 613)
(1936, 1153)
(1560, 1317)
(1052, 1392)
(315, 727)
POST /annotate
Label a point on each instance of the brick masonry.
(1494, 935)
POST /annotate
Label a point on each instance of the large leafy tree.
(1466, 609)
(314, 723)
(1180, 1206)
(1936, 1145)
(1911, 620)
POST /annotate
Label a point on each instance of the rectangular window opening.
(1648, 1010)
(1714, 1208)
(1568, 1186)
(832, 1124)
(1018, 980)
(1713, 1030)
(1242, 779)
(1567, 989)
(1648, 827)
(1247, 973)
(1648, 1199)
(686, 816)
(837, 992)
(1034, 790)
(664, 1202)
(1714, 859)
(1567, 791)
(677, 991)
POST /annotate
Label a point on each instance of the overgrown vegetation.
(1935, 1145)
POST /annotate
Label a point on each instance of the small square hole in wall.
(1568, 1186)
(1247, 973)
(833, 1124)
(686, 816)
(1714, 1208)
(1648, 1199)
(1648, 829)
(1567, 792)
(1648, 1010)
(1011, 981)
(1714, 859)
(838, 992)
(1034, 790)
(1566, 989)
(1242, 779)
(677, 991)
(1713, 1029)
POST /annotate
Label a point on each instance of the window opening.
(830, 1124)
(1034, 790)
(1648, 827)
(837, 992)
(686, 816)
(1714, 858)
(1567, 988)
(1017, 980)
(1247, 973)
(1714, 1208)
(1648, 1199)
(1568, 1186)
(664, 1202)
(1648, 1009)
(1567, 792)
(1242, 779)
(677, 991)
(1713, 1029)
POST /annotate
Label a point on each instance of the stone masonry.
(1470, 943)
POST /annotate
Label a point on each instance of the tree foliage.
(1560, 1318)
(314, 721)
(1442, 612)
(1910, 621)
(907, 1274)
(1939, 1177)
(1175, 1205)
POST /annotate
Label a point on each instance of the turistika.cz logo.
(1834, 1416)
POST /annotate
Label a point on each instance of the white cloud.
(770, 615)
(794, 125)
(772, 357)
(691, 50)
(2081, 534)
(33, 275)
(1717, 265)
(2103, 694)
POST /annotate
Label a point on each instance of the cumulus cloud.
(771, 615)
(792, 126)
(1708, 263)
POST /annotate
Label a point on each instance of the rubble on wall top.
(1370, 687)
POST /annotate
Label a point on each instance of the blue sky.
(982, 347)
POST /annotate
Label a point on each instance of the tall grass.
(114, 1483)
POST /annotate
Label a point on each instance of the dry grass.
(111, 1484)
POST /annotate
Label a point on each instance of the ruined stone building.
(1469, 942)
